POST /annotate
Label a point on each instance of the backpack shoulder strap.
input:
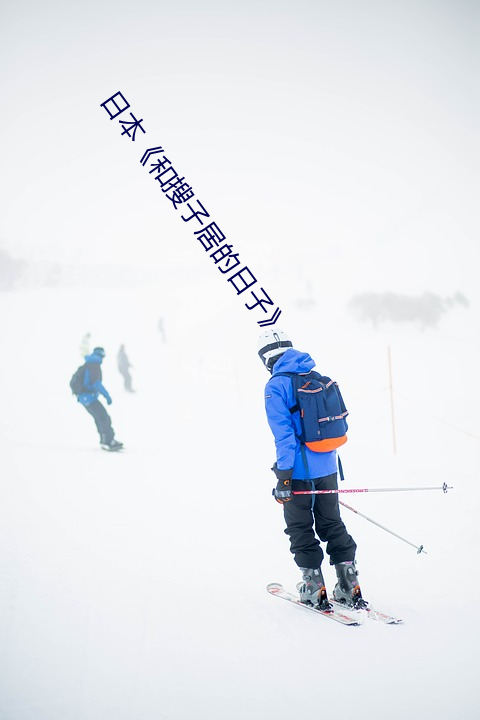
(293, 377)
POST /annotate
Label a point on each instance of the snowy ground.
(133, 585)
(336, 144)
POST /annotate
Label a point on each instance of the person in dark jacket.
(124, 366)
(309, 518)
(93, 387)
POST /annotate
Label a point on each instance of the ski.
(336, 613)
(371, 613)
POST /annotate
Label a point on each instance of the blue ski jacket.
(285, 426)
(93, 381)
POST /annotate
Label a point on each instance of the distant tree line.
(426, 309)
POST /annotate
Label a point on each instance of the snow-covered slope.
(133, 585)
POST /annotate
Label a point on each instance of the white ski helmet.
(271, 344)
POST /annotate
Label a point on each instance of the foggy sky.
(347, 130)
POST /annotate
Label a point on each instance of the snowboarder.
(308, 518)
(88, 397)
(123, 364)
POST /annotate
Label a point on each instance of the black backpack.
(77, 382)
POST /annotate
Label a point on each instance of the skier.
(299, 468)
(85, 345)
(123, 364)
(88, 397)
(161, 329)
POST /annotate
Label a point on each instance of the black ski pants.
(102, 421)
(309, 517)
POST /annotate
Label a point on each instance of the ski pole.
(443, 487)
(418, 548)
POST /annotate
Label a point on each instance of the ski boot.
(347, 590)
(112, 446)
(312, 589)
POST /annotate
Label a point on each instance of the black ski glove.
(283, 492)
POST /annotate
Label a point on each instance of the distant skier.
(161, 329)
(124, 368)
(300, 468)
(87, 385)
(85, 345)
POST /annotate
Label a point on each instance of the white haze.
(335, 144)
